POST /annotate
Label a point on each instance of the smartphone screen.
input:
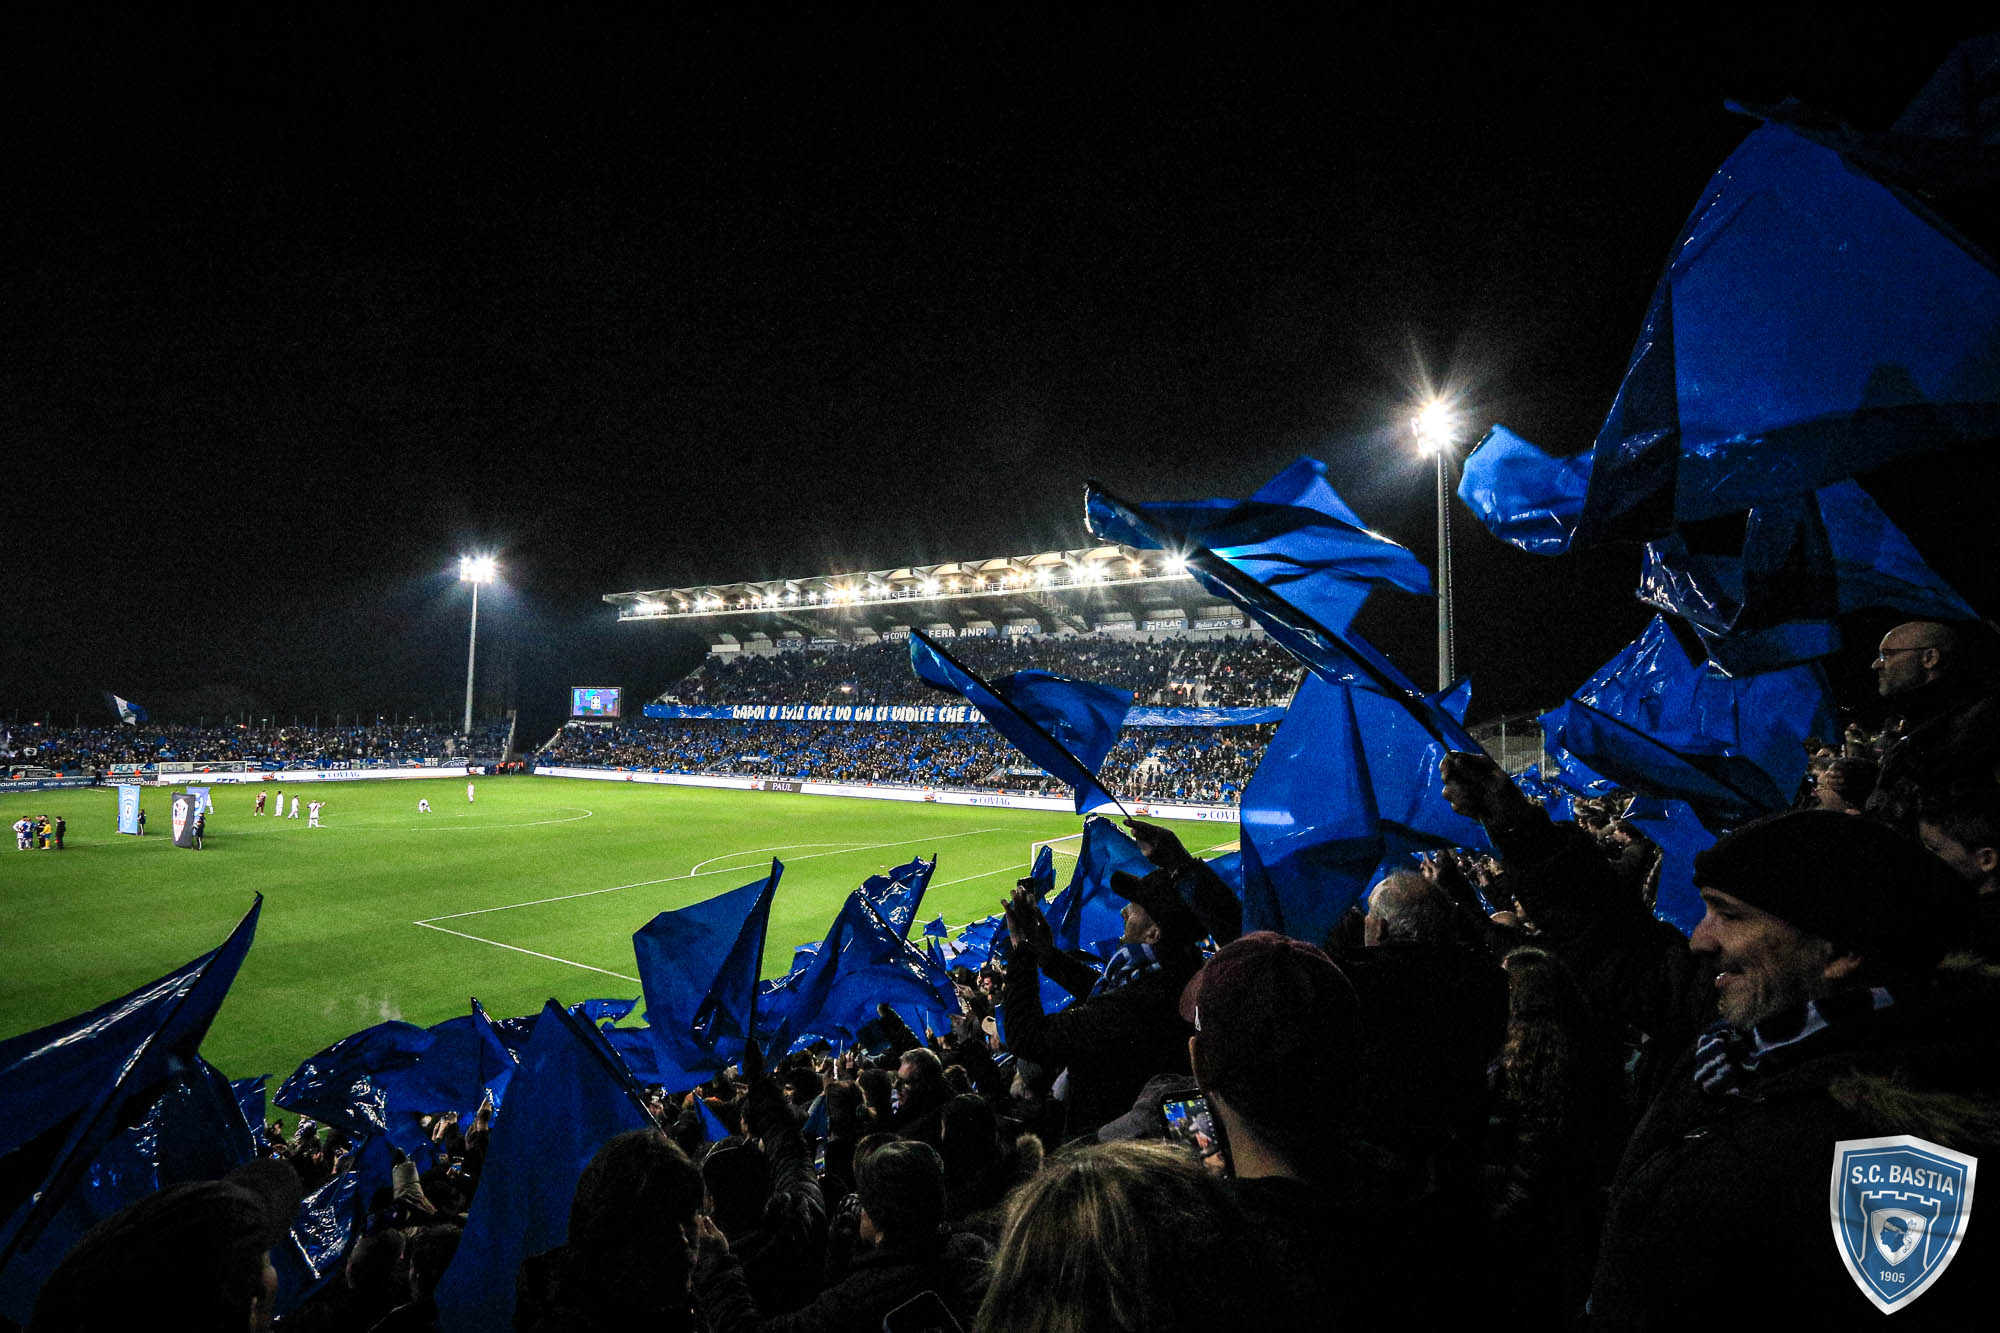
(1190, 1123)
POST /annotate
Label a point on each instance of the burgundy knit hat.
(1274, 1019)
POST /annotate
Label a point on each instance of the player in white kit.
(468, 792)
(312, 814)
(295, 809)
(423, 805)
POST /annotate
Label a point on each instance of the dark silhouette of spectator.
(193, 1256)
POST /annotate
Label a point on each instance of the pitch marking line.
(430, 922)
(530, 952)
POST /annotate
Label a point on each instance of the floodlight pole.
(1433, 427)
(1445, 644)
(471, 650)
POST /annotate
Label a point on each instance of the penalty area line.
(846, 849)
(567, 962)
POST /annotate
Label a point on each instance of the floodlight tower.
(474, 569)
(1435, 427)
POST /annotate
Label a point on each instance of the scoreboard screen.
(595, 701)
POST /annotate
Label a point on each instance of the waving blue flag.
(936, 928)
(1673, 828)
(864, 961)
(73, 1081)
(1088, 912)
(1731, 747)
(1804, 561)
(1300, 563)
(1066, 726)
(1346, 790)
(599, 1011)
(569, 1098)
(346, 1084)
(699, 965)
(982, 939)
(1523, 496)
(1813, 323)
(192, 1129)
(899, 894)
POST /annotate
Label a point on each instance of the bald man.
(1950, 722)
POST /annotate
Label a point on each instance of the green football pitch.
(530, 892)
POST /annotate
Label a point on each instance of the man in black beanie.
(1825, 934)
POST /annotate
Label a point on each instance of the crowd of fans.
(1208, 765)
(1498, 1076)
(1230, 672)
(94, 749)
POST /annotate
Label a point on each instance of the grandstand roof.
(1075, 590)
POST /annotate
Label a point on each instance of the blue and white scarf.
(1726, 1058)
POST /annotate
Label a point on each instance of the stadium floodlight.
(1177, 564)
(930, 586)
(1436, 426)
(474, 569)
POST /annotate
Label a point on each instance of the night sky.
(292, 323)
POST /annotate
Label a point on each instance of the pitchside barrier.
(1214, 814)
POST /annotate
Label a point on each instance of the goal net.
(1064, 851)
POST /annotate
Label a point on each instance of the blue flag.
(1680, 837)
(982, 939)
(1066, 726)
(1812, 324)
(699, 965)
(569, 1098)
(937, 929)
(1523, 496)
(1552, 798)
(599, 1011)
(346, 1084)
(329, 1222)
(900, 893)
(73, 1081)
(1088, 912)
(1300, 563)
(712, 1129)
(1346, 791)
(1804, 561)
(1731, 747)
(863, 961)
(192, 1129)
(128, 712)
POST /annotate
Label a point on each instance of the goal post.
(1064, 850)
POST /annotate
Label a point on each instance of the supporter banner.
(944, 714)
(44, 784)
(183, 812)
(202, 800)
(1214, 814)
(128, 809)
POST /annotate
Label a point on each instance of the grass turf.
(574, 867)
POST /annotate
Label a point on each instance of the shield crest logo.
(1900, 1209)
(180, 809)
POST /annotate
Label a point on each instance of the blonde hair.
(1118, 1236)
